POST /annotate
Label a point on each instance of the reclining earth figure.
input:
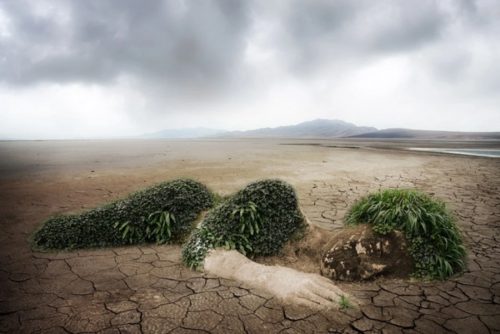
(261, 221)
(395, 232)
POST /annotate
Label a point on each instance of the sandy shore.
(51, 291)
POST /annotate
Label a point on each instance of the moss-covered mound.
(162, 213)
(257, 220)
(434, 240)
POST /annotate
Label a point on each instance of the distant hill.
(323, 128)
(319, 128)
(184, 133)
(427, 134)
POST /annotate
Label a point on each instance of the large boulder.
(360, 254)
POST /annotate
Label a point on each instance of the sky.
(102, 68)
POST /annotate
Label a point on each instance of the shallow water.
(491, 153)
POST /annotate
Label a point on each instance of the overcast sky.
(125, 67)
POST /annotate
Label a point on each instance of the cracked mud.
(146, 289)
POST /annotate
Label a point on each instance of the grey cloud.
(191, 46)
(315, 32)
(405, 27)
(468, 55)
(183, 42)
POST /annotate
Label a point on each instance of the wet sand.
(135, 288)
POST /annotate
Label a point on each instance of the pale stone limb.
(286, 284)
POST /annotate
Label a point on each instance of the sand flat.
(129, 287)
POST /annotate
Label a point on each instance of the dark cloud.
(314, 32)
(466, 57)
(200, 45)
(183, 42)
(97, 67)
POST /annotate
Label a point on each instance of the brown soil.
(304, 254)
(146, 289)
(307, 253)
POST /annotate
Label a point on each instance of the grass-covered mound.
(161, 213)
(434, 240)
(257, 220)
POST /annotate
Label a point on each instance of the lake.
(479, 152)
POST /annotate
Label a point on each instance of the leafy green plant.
(344, 303)
(204, 239)
(257, 220)
(160, 226)
(182, 200)
(196, 248)
(249, 217)
(130, 232)
(218, 199)
(435, 242)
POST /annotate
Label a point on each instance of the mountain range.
(321, 128)
(325, 128)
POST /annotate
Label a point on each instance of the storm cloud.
(229, 61)
(98, 41)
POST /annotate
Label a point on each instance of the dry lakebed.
(146, 289)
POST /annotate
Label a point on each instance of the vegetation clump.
(257, 220)
(161, 214)
(434, 240)
(344, 303)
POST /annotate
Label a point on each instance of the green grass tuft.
(344, 303)
(434, 240)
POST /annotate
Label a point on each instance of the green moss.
(257, 220)
(434, 240)
(104, 226)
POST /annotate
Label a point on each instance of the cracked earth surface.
(146, 289)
